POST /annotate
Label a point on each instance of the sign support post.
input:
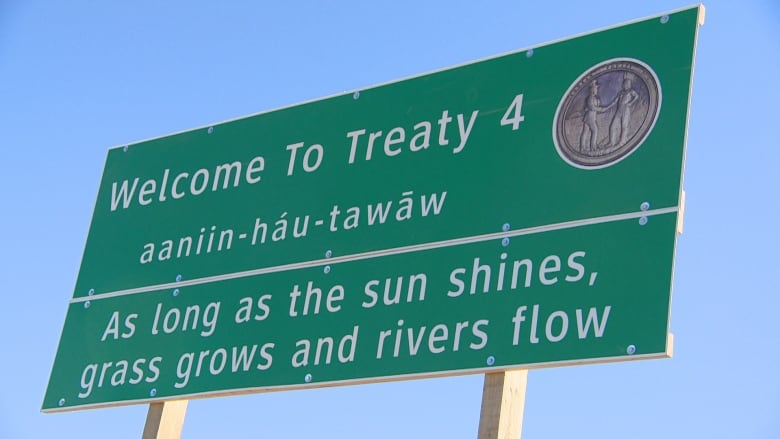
(503, 402)
(165, 420)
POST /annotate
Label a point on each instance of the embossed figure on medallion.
(625, 100)
(590, 126)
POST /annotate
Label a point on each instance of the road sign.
(515, 211)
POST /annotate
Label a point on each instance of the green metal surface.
(220, 233)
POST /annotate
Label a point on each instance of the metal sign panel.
(513, 212)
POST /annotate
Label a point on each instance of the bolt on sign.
(518, 211)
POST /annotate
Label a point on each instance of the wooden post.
(503, 401)
(164, 420)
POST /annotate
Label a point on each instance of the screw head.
(643, 221)
(211, 130)
(153, 392)
(87, 304)
(326, 270)
(61, 402)
(175, 292)
(506, 227)
(505, 242)
(664, 19)
(356, 95)
(529, 53)
(307, 378)
(491, 360)
(644, 206)
(91, 292)
(178, 278)
(631, 349)
(125, 148)
(328, 254)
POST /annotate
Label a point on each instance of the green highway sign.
(518, 211)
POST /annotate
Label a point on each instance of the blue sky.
(79, 77)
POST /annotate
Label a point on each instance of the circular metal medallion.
(607, 113)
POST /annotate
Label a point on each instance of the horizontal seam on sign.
(381, 253)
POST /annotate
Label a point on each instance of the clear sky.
(79, 77)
